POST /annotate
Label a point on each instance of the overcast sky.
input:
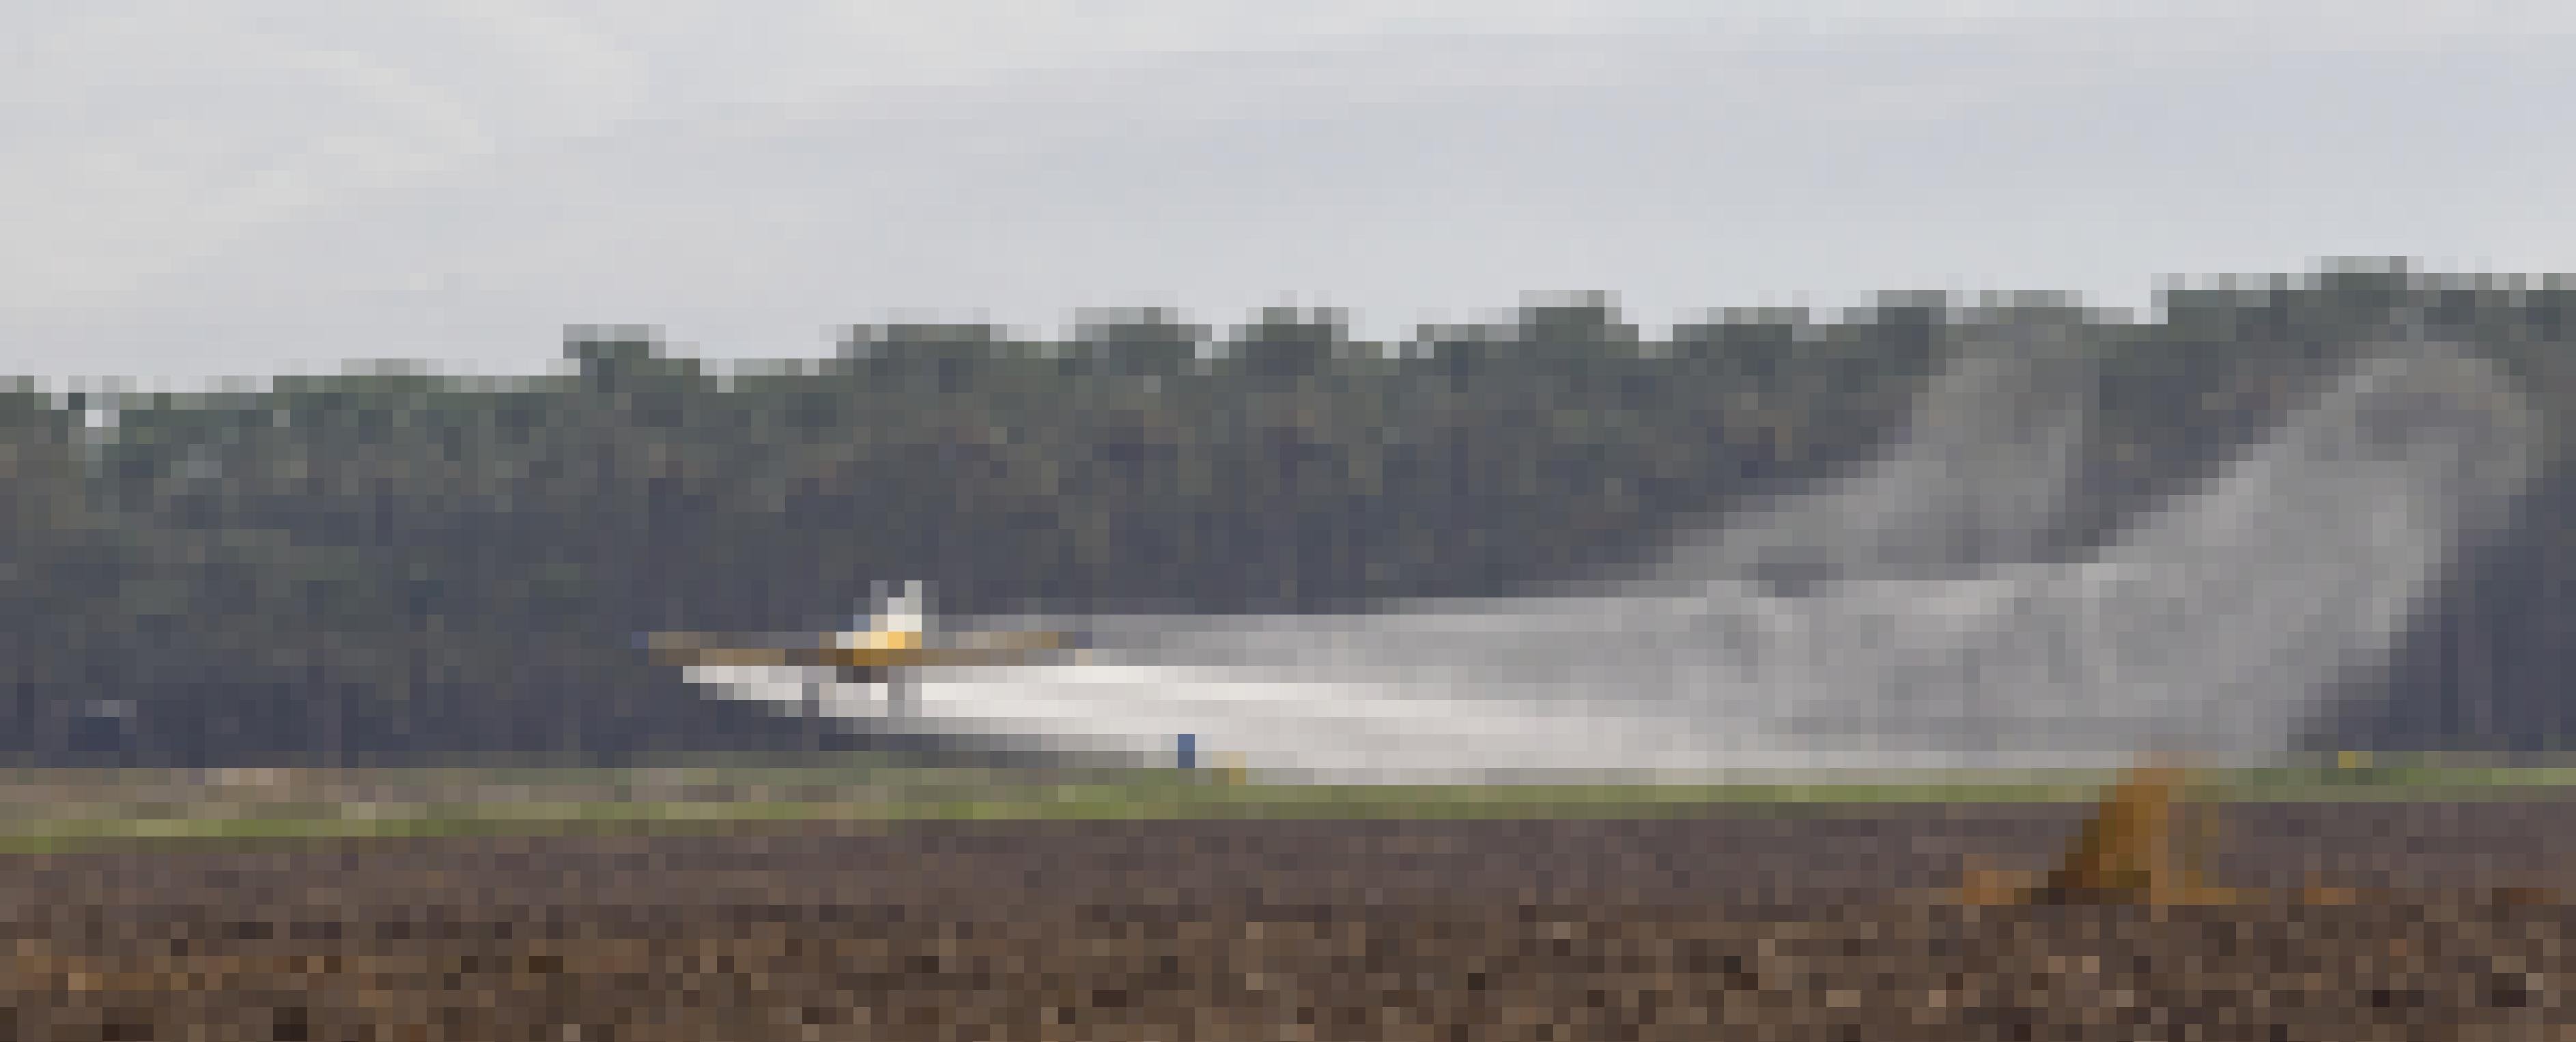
(192, 189)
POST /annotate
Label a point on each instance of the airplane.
(880, 651)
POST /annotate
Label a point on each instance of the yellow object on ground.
(2130, 852)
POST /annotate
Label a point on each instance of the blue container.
(1189, 752)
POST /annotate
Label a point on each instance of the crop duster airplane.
(876, 652)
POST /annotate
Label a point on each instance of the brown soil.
(1837, 924)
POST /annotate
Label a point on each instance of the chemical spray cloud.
(1908, 614)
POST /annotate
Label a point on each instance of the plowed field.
(1823, 923)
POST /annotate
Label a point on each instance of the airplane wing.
(873, 651)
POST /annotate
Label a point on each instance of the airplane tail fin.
(903, 609)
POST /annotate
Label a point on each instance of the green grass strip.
(115, 825)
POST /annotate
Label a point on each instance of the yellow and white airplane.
(876, 651)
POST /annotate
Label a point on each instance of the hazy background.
(251, 188)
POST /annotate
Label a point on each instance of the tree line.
(394, 563)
